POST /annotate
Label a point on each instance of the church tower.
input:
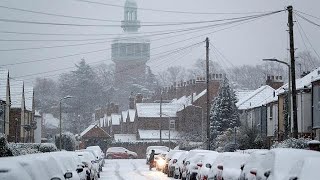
(130, 51)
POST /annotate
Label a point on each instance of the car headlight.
(161, 162)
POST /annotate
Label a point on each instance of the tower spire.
(130, 22)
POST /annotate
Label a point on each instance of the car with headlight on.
(158, 150)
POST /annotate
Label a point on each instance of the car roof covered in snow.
(305, 169)
(12, 170)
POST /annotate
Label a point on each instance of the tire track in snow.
(138, 171)
(117, 172)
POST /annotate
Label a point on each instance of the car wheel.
(131, 157)
(109, 157)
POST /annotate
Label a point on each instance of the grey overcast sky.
(244, 44)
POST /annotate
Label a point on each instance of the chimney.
(200, 85)
(131, 101)
(274, 81)
(139, 98)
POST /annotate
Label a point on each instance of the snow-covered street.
(130, 169)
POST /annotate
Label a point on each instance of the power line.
(166, 53)
(170, 11)
(308, 20)
(70, 55)
(307, 14)
(108, 25)
(304, 43)
(308, 39)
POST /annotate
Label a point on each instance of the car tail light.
(205, 178)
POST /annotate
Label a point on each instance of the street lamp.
(289, 84)
(60, 123)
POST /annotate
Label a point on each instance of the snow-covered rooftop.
(256, 98)
(16, 91)
(28, 95)
(153, 109)
(306, 81)
(115, 119)
(204, 92)
(132, 115)
(125, 137)
(242, 93)
(124, 116)
(155, 134)
(87, 130)
(3, 84)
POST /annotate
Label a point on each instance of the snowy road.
(130, 169)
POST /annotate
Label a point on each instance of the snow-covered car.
(98, 160)
(168, 157)
(120, 153)
(305, 169)
(194, 161)
(276, 163)
(160, 162)
(98, 151)
(91, 168)
(12, 170)
(183, 160)
(173, 162)
(227, 166)
(205, 166)
(41, 166)
(157, 149)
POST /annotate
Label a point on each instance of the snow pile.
(292, 143)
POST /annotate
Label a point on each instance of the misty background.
(244, 44)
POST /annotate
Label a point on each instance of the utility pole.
(293, 74)
(60, 119)
(208, 98)
(160, 124)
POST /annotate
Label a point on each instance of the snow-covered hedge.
(68, 141)
(17, 149)
(292, 143)
(4, 149)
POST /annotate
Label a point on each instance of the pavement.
(130, 169)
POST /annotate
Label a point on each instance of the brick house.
(94, 135)
(5, 99)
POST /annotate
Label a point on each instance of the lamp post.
(60, 119)
(289, 84)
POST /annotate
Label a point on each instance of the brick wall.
(14, 126)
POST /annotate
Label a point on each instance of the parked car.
(173, 163)
(276, 163)
(227, 165)
(168, 157)
(98, 151)
(91, 167)
(184, 164)
(305, 169)
(12, 170)
(120, 153)
(98, 159)
(157, 149)
(205, 166)
(68, 162)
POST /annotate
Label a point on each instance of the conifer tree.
(224, 112)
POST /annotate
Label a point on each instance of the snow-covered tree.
(68, 141)
(224, 112)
